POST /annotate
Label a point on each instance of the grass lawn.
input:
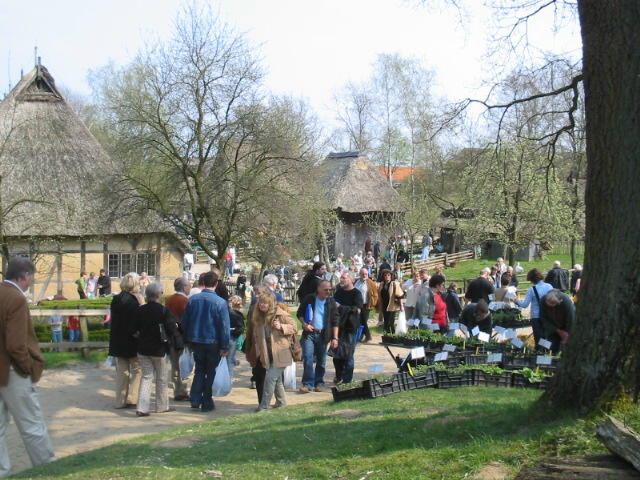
(471, 268)
(429, 433)
(65, 359)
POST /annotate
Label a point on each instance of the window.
(119, 264)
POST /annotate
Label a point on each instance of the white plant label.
(448, 348)
(483, 337)
(475, 331)
(543, 360)
(426, 321)
(434, 327)
(516, 342)
(494, 358)
(441, 357)
(454, 326)
(510, 333)
(376, 368)
(499, 329)
(544, 343)
(417, 352)
(464, 328)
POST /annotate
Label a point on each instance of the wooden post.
(84, 329)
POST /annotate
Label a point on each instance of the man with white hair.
(576, 278)
(558, 277)
(271, 282)
(557, 314)
(480, 288)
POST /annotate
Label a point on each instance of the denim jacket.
(206, 320)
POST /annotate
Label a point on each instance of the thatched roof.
(354, 185)
(53, 166)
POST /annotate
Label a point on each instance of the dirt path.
(78, 402)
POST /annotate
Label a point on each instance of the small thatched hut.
(362, 198)
(54, 175)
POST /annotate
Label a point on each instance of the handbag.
(343, 351)
(296, 349)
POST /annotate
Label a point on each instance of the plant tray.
(374, 389)
(421, 380)
(449, 380)
(484, 379)
(512, 362)
(472, 359)
(520, 381)
(356, 393)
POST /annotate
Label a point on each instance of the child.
(92, 282)
(55, 321)
(236, 319)
(73, 326)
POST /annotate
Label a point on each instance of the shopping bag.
(222, 381)
(401, 324)
(290, 376)
(109, 362)
(186, 363)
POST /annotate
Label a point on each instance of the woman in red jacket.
(436, 283)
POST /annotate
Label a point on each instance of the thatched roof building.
(361, 196)
(54, 185)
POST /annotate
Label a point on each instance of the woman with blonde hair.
(122, 344)
(270, 333)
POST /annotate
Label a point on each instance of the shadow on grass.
(419, 420)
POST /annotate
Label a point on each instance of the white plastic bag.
(109, 362)
(290, 376)
(222, 381)
(401, 323)
(186, 363)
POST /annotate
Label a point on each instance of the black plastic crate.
(452, 380)
(484, 379)
(374, 389)
(421, 380)
(512, 362)
(473, 359)
(520, 381)
(356, 393)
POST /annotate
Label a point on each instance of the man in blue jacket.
(205, 323)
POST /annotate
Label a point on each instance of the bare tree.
(201, 145)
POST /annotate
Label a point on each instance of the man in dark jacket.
(310, 282)
(558, 277)
(103, 284)
(557, 314)
(480, 288)
(350, 303)
(320, 329)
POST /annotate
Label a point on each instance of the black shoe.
(141, 414)
(182, 398)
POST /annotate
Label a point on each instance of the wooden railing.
(441, 259)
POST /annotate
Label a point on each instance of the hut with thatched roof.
(363, 200)
(53, 178)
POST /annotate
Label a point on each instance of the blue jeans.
(56, 337)
(231, 358)
(206, 357)
(74, 335)
(425, 253)
(314, 348)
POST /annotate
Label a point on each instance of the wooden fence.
(84, 345)
(441, 259)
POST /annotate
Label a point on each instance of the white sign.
(426, 321)
(543, 360)
(441, 357)
(464, 328)
(434, 327)
(516, 342)
(454, 326)
(494, 358)
(475, 331)
(510, 333)
(417, 352)
(499, 329)
(376, 368)
(448, 348)
(544, 343)
(483, 337)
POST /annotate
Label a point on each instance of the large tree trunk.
(602, 357)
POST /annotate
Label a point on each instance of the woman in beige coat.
(271, 332)
(389, 294)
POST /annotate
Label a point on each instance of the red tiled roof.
(400, 174)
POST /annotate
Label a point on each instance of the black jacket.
(105, 283)
(236, 319)
(331, 314)
(308, 286)
(124, 314)
(468, 318)
(149, 319)
(349, 320)
(479, 288)
(558, 278)
(454, 308)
